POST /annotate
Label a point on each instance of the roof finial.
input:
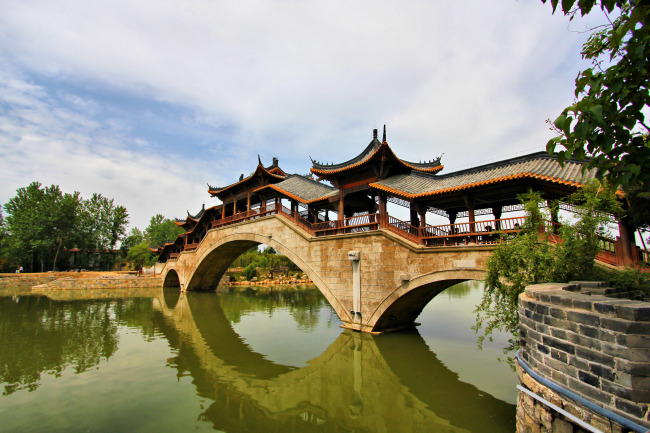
(384, 139)
(259, 160)
(374, 133)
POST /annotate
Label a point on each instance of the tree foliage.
(606, 125)
(140, 255)
(42, 222)
(161, 230)
(530, 257)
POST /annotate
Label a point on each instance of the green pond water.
(266, 361)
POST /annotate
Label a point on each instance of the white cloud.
(285, 78)
(41, 141)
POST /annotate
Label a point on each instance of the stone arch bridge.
(376, 281)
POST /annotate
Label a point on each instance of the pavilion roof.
(302, 188)
(190, 217)
(373, 152)
(273, 171)
(539, 165)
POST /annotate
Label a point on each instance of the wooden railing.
(404, 229)
(192, 246)
(355, 224)
(644, 255)
(478, 232)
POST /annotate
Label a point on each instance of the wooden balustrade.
(479, 232)
(355, 224)
(485, 232)
(404, 229)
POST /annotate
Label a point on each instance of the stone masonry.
(398, 277)
(579, 337)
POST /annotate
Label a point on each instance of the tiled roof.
(273, 171)
(534, 166)
(371, 150)
(303, 189)
(365, 154)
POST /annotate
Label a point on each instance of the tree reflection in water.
(63, 334)
(358, 382)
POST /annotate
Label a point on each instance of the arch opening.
(214, 262)
(401, 309)
(172, 280)
(214, 265)
(403, 312)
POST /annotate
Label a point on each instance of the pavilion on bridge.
(361, 187)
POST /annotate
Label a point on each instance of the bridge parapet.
(588, 354)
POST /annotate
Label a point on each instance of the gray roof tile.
(539, 164)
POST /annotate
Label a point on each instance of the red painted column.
(627, 242)
(383, 214)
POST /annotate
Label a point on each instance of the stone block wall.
(593, 345)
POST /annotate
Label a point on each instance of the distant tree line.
(44, 229)
(268, 260)
(44, 226)
(160, 231)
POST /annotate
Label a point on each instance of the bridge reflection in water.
(361, 382)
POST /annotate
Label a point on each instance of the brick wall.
(592, 344)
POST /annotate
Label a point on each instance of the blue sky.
(148, 101)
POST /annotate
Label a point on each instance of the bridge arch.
(171, 279)
(215, 260)
(406, 302)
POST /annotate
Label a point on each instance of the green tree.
(161, 230)
(250, 271)
(529, 258)
(135, 237)
(140, 255)
(606, 126)
(40, 222)
(101, 226)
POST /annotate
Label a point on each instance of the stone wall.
(397, 278)
(24, 281)
(588, 343)
(121, 282)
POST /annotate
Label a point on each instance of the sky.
(147, 102)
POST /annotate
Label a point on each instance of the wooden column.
(414, 215)
(383, 214)
(626, 241)
(422, 211)
(555, 218)
(469, 202)
(294, 209)
(497, 211)
(223, 211)
(248, 200)
(341, 204)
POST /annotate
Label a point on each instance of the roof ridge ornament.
(384, 139)
(259, 160)
(374, 133)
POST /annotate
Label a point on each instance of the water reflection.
(51, 336)
(347, 381)
(359, 383)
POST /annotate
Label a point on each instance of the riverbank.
(53, 281)
(43, 282)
